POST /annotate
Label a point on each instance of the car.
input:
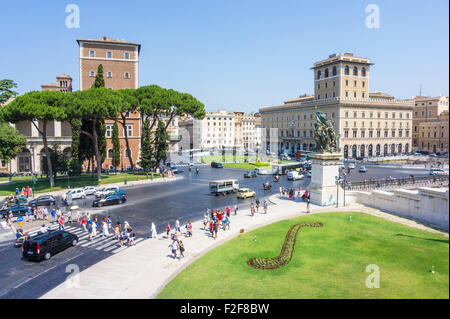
(437, 171)
(351, 166)
(20, 210)
(362, 169)
(46, 245)
(309, 174)
(119, 192)
(89, 190)
(294, 175)
(74, 194)
(245, 193)
(109, 200)
(106, 191)
(45, 200)
(216, 165)
(250, 174)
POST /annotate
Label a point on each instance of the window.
(346, 70)
(346, 93)
(326, 72)
(363, 134)
(363, 114)
(354, 83)
(110, 153)
(346, 114)
(334, 70)
(393, 115)
(363, 84)
(109, 55)
(109, 74)
(393, 133)
(319, 75)
(346, 82)
(334, 83)
(354, 94)
(91, 73)
(346, 133)
(355, 71)
(126, 75)
(109, 128)
(92, 53)
(129, 130)
(355, 132)
(363, 72)
(126, 56)
(318, 86)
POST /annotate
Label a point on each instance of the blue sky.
(234, 55)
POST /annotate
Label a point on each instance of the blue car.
(119, 192)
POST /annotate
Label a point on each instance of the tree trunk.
(130, 158)
(47, 154)
(97, 151)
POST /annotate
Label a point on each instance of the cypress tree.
(116, 146)
(146, 149)
(99, 79)
(161, 145)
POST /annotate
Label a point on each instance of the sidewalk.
(142, 271)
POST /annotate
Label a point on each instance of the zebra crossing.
(100, 242)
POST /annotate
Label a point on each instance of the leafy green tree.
(74, 166)
(161, 144)
(58, 160)
(11, 142)
(6, 91)
(93, 106)
(146, 160)
(128, 107)
(99, 78)
(39, 108)
(116, 145)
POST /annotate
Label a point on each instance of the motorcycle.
(267, 186)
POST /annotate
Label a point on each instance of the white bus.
(224, 186)
(281, 169)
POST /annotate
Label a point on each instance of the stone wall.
(428, 205)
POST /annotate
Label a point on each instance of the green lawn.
(328, 262)
(43, 186)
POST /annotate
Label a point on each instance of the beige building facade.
(368, 124)
(430, 124)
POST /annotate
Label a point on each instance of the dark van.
(44, 246)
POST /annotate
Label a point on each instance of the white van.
(294, 175)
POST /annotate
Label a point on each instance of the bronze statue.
(324, 134)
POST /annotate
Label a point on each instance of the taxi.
(245, 193)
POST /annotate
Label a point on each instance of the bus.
(281, 169)
(302, 155)
(224, 186)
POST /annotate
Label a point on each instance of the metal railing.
(393, 183)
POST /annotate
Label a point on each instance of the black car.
(110, 200)
(44, 246)
(16, 210)
(216, 165)
(43, 201)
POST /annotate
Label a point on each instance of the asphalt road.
(159, 203)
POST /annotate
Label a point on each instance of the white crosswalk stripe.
(99, 243)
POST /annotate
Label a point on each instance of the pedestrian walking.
(94, 228)
(189, 229)
(216, 229)
(265, 206)
(252, 209)
(61, 222)
(167, 229)
(154, 234)
(173, 246)
(177, 225)
(109, 221)
(105, 230)
(181, 248)
(257, 205)
(307, 205)
(235, 209)
(205, 220)
(90, 231)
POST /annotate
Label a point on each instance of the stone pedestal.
(323, 189)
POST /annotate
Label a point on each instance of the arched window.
(110, 153)
(347, 70)
(355, 71)
(363, 72)
(319, 75)
(326, 72)
(334, 70)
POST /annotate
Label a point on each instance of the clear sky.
(234, 54)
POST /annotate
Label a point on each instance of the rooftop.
(348, 57)
(106, 40)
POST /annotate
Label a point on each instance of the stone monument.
(325, 164)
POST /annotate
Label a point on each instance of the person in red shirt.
(83, 222)
(211, 228)
(228, 211)
(219, 216)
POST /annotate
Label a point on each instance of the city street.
(159, 203)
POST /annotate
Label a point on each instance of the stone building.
(430, 124)
(369, 124)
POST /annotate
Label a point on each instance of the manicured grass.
(328, 262)
(43, 186)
